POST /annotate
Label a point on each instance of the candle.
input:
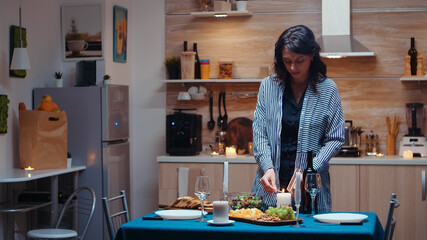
(283, 198)
(214, 154)
(408, 154)
(230, 152)
(225, 180)
(28, 171)
(220, 212)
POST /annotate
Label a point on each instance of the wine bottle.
(185, 46)
(306, 198)
(412, 52)
(197, 74)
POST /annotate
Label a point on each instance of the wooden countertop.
(364, 160)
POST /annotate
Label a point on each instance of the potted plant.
(241, 5)
(173, 67)
(58, 77)
(69, 159)
(107, 79)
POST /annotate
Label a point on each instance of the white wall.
(143, 72)
(148, 102)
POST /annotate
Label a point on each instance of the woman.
(298, 109)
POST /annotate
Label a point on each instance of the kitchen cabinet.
(168, 180)
(222, 14)
(240, 178)
(344, 187)
(376, 185)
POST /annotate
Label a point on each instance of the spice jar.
(225, 69)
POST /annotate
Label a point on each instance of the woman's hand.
(268, 181)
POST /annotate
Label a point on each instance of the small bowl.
(197, 96)
(184, 96)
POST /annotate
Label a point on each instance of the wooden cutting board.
(239, 133)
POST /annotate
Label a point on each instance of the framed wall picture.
(120, 16)
(82, 36)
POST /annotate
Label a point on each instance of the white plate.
(340, 217)
(179, 214)
(216, 223)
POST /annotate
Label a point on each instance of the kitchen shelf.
(236, 80)
(414, 78)
(222, 14)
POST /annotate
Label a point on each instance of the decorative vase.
(69, 161)
(59, 82)
(107, 81)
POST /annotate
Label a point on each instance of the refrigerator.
(98, 138)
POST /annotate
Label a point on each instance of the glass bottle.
(412, 52)
(306, 198)
(197, 74)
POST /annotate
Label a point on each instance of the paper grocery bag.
(43, 139)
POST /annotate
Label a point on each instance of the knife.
(351, 223)
(152, 218)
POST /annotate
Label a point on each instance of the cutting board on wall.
(239, 133)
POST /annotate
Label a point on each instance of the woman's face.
(297, 65)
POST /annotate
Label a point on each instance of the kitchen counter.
(364, 160)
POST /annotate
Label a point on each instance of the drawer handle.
(423, 185)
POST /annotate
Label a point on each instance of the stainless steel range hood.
(336, 40)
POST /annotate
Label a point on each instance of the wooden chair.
(80, 206)
(116, 212)
(391, 220)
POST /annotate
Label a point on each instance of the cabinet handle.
(423, 185)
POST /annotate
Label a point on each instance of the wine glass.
(313, 185)
(201, 189)
(297, 196)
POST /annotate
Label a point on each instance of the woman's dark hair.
(299, 39)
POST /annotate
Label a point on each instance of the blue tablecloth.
(190, 229)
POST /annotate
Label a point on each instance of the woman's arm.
(262, 148)
(334, 133)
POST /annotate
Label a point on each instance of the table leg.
(54, 199)
(75, 186)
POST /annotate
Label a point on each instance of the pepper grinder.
(420, 66)
(407, 66)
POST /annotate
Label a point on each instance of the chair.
(116, 212)
(79, 206)
(391, 220)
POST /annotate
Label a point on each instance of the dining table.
(151, 226)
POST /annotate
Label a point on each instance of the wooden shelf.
(213, 80)
(222, 14)
(414, 78)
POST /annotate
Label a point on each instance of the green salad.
(245, 200)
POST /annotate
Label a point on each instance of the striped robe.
(321, 129)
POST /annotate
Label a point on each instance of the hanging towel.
(183, 181)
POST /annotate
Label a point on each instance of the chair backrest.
(81, 204)
(391, 220)
(116, 212)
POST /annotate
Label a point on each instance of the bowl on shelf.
(244, 200)
(197, 93)
(197, 96)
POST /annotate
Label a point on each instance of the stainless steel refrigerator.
(98, 137)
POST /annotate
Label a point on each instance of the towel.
(187, 179)
(183, 181)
